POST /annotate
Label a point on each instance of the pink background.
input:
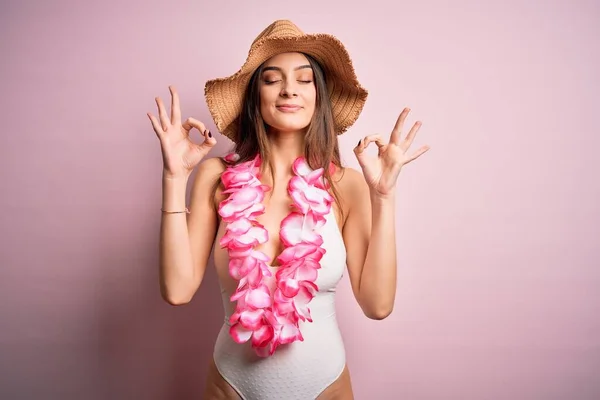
(498, 224)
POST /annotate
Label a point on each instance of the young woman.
(284, 217)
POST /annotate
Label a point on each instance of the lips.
(288, 107)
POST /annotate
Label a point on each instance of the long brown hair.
(320, 142)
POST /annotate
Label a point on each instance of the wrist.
(378, 198)
(166, 176)
(174, 190)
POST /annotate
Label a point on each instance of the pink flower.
(231, 157)
(298, 228)
(313, 177)
(307, 251)
(252, 324)
(309, 197)
(270, 319)
(244, 239)
(253, 275)
(297, 304)
(240, 266)
(243, 203)
(263, 335)
(233, 178)
(285, 327)
(255, 297)
(307, 189)
(290, 278)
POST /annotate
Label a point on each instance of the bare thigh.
(217, 388)
(340, 389)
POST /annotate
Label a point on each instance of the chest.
(278, 205)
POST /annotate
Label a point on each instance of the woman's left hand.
(381, 173)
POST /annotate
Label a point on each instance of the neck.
(286, 147)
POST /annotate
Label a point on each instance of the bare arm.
(186, 239)
(369, 234)
(370, 227)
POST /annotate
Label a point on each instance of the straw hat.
(224, 96)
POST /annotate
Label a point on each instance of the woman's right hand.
(180, 154)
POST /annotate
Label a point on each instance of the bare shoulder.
(350, 182)
(207, 179)
(213, 167)
(351, 186)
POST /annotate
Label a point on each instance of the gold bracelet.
(187, 211)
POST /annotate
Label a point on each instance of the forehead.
(287, 60)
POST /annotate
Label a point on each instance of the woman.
(284, 216)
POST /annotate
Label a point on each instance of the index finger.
(175, 109)
(395, 136)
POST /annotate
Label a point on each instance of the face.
(287, 92)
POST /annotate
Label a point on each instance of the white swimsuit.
(303, 369)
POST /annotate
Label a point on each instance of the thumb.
(209, 140)
(208, 143)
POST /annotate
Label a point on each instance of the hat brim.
(224, 96)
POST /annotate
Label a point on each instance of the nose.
(289, 88)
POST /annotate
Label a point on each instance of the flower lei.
(269, 315)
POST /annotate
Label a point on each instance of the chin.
(289, 126)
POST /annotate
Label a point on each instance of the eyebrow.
(279, 69)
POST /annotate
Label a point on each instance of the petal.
(264, 269)
(239, 333)
(291, 229)
(259, 297)
(236, 268)
(240, 200)
(254, 236)
(284, 307)
(242, 283)
(301, 167)
(252, 319)
(288, 270)
(310, 286)
(321, 208)
(232, 178)
(237, 294)
(234, 318)
(241, 253)
(239, 226)
(312, 237)
(289, 287)
(313, 194)
(289, 333)
(254, 276)
(308, 271)
(314, 176)
(225, 240)
(252, 211)
(305, 295)
(263, 351)
(260, 234)
(301, 251)
(259, 255)
(332, 168)
(297, 183)
(246, 196)
(262, 336)
(232, 157)
(300, 201)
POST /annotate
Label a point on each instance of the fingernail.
(209, 134)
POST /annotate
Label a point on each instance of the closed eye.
(272, 82)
